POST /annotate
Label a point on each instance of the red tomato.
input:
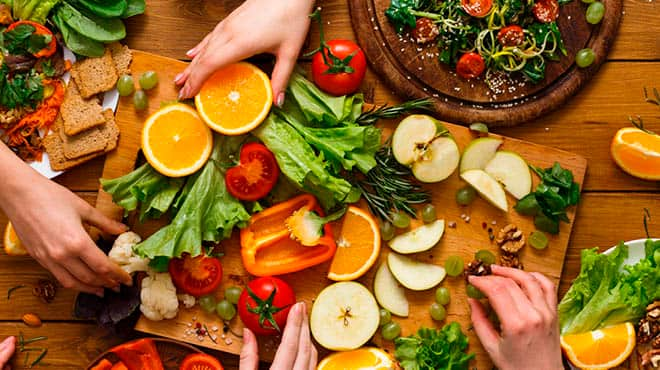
(470, 65)
(477, 8)
(267, 300)
(512, 35)
(346, 79)
(42, 31)
(546, 11)
(255, 175)
(200, 361)
(196, 276)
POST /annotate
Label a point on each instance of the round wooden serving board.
(413, 70)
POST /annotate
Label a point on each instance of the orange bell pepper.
(104, 364)
(139, 354)
(268, 247)
(119, 366)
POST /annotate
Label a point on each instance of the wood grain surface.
(612, 201)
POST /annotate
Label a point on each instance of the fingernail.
(247, 335)
(190, 52)
(183, 93)
(178, 78)
(100, 293)
(280, 99)
(470, 278)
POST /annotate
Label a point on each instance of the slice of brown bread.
(58, 161)
(110, 130)
(79, 114)
(122, 57)
(95, 75)
(100, 138)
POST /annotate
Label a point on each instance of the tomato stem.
(265, 309)
(335, 64)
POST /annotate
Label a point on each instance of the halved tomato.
(470, 65)
(477, 8)
(255, 175)
(196, 276)
(200, 361)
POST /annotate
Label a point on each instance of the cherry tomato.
(546, 11)
(470, 65)
(42, 31)
(266, 300)
(425, 31)
(348, 77)
(477, 8)
(196, 276)
(200, 361)
(512, 35)
(255, 175)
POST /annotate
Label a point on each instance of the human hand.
(7, 348)
(526, 304)
(48, 219)
(257, 26)
(296, 351)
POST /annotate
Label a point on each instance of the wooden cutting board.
(465, 239)
(414, 71)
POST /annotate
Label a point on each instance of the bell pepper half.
(139, 354)
(287, 237)
(104, 364)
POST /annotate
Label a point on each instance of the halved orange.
(358, 245)
(637, 152)
(235, 99)
(11, 243)
(175, 140)
(366, 358)
(600, 349)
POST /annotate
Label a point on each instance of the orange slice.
(637, 152)
(367, 358)
(175, 141)
(12, 244)
(235, 99)
(358, 245)
(600, 349)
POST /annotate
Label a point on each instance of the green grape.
(454, 265)
(428, 213)
(232, 294)
(465, 196)
(386, 231)
(473, 292)
(595, 12)
(538, 240)
(125, 85)
(207, 303)
(400, 220)
(656, 257)
(442, 296)
(385, 317)
(140, 100)
(390, 331)
(225, 310)
(479, 127)
(437, 311)
(485, 256)
(585, 57)
(588, 1)
(148, 80)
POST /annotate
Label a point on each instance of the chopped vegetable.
(432, 349)
(255, 175)
(196, 276)
(139, 354)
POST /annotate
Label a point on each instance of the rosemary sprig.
(22, 342)
(374, 114)
(14, 288)
(647, 216)
(388, 187)
(655, 100)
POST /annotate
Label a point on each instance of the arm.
(257, 26)
(49, 220)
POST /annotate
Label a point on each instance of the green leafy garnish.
(21, 90)
(22, 40)
(432, 349)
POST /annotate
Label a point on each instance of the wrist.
(14, 175)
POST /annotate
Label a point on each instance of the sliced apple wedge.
(512, 171)
(420, 239)
(413, 274)
(344, 316)
(478, 153)
(389, 294)
(425, 145)
(487, 187)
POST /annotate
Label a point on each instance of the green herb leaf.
(432, 349)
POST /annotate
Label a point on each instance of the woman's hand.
(257, 26)
(526, 304)
(7, 348)
(296, 352)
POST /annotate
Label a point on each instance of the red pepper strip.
(119, 366)
(139, 354)
(41, 30)
(268, 249)
(103, 365)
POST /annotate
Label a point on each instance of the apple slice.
(425, 145)
(478, 153)
(512, 171)
(420, 239)
(413, 274)
(344, 316)
(389, 294)
(487, 187)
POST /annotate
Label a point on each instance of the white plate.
(635, 251)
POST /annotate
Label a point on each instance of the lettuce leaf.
(432, 349)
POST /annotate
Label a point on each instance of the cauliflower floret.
(122, 253)
(158, 296)
(187, 300)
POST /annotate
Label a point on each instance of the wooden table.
(610, 210)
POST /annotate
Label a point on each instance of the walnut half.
(510, 239)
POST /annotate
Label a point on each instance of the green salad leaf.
(76, 42)
(135, 7)
(432, 349)
(92, 26)
(399, 14)
(606, 292)
(42, 10)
